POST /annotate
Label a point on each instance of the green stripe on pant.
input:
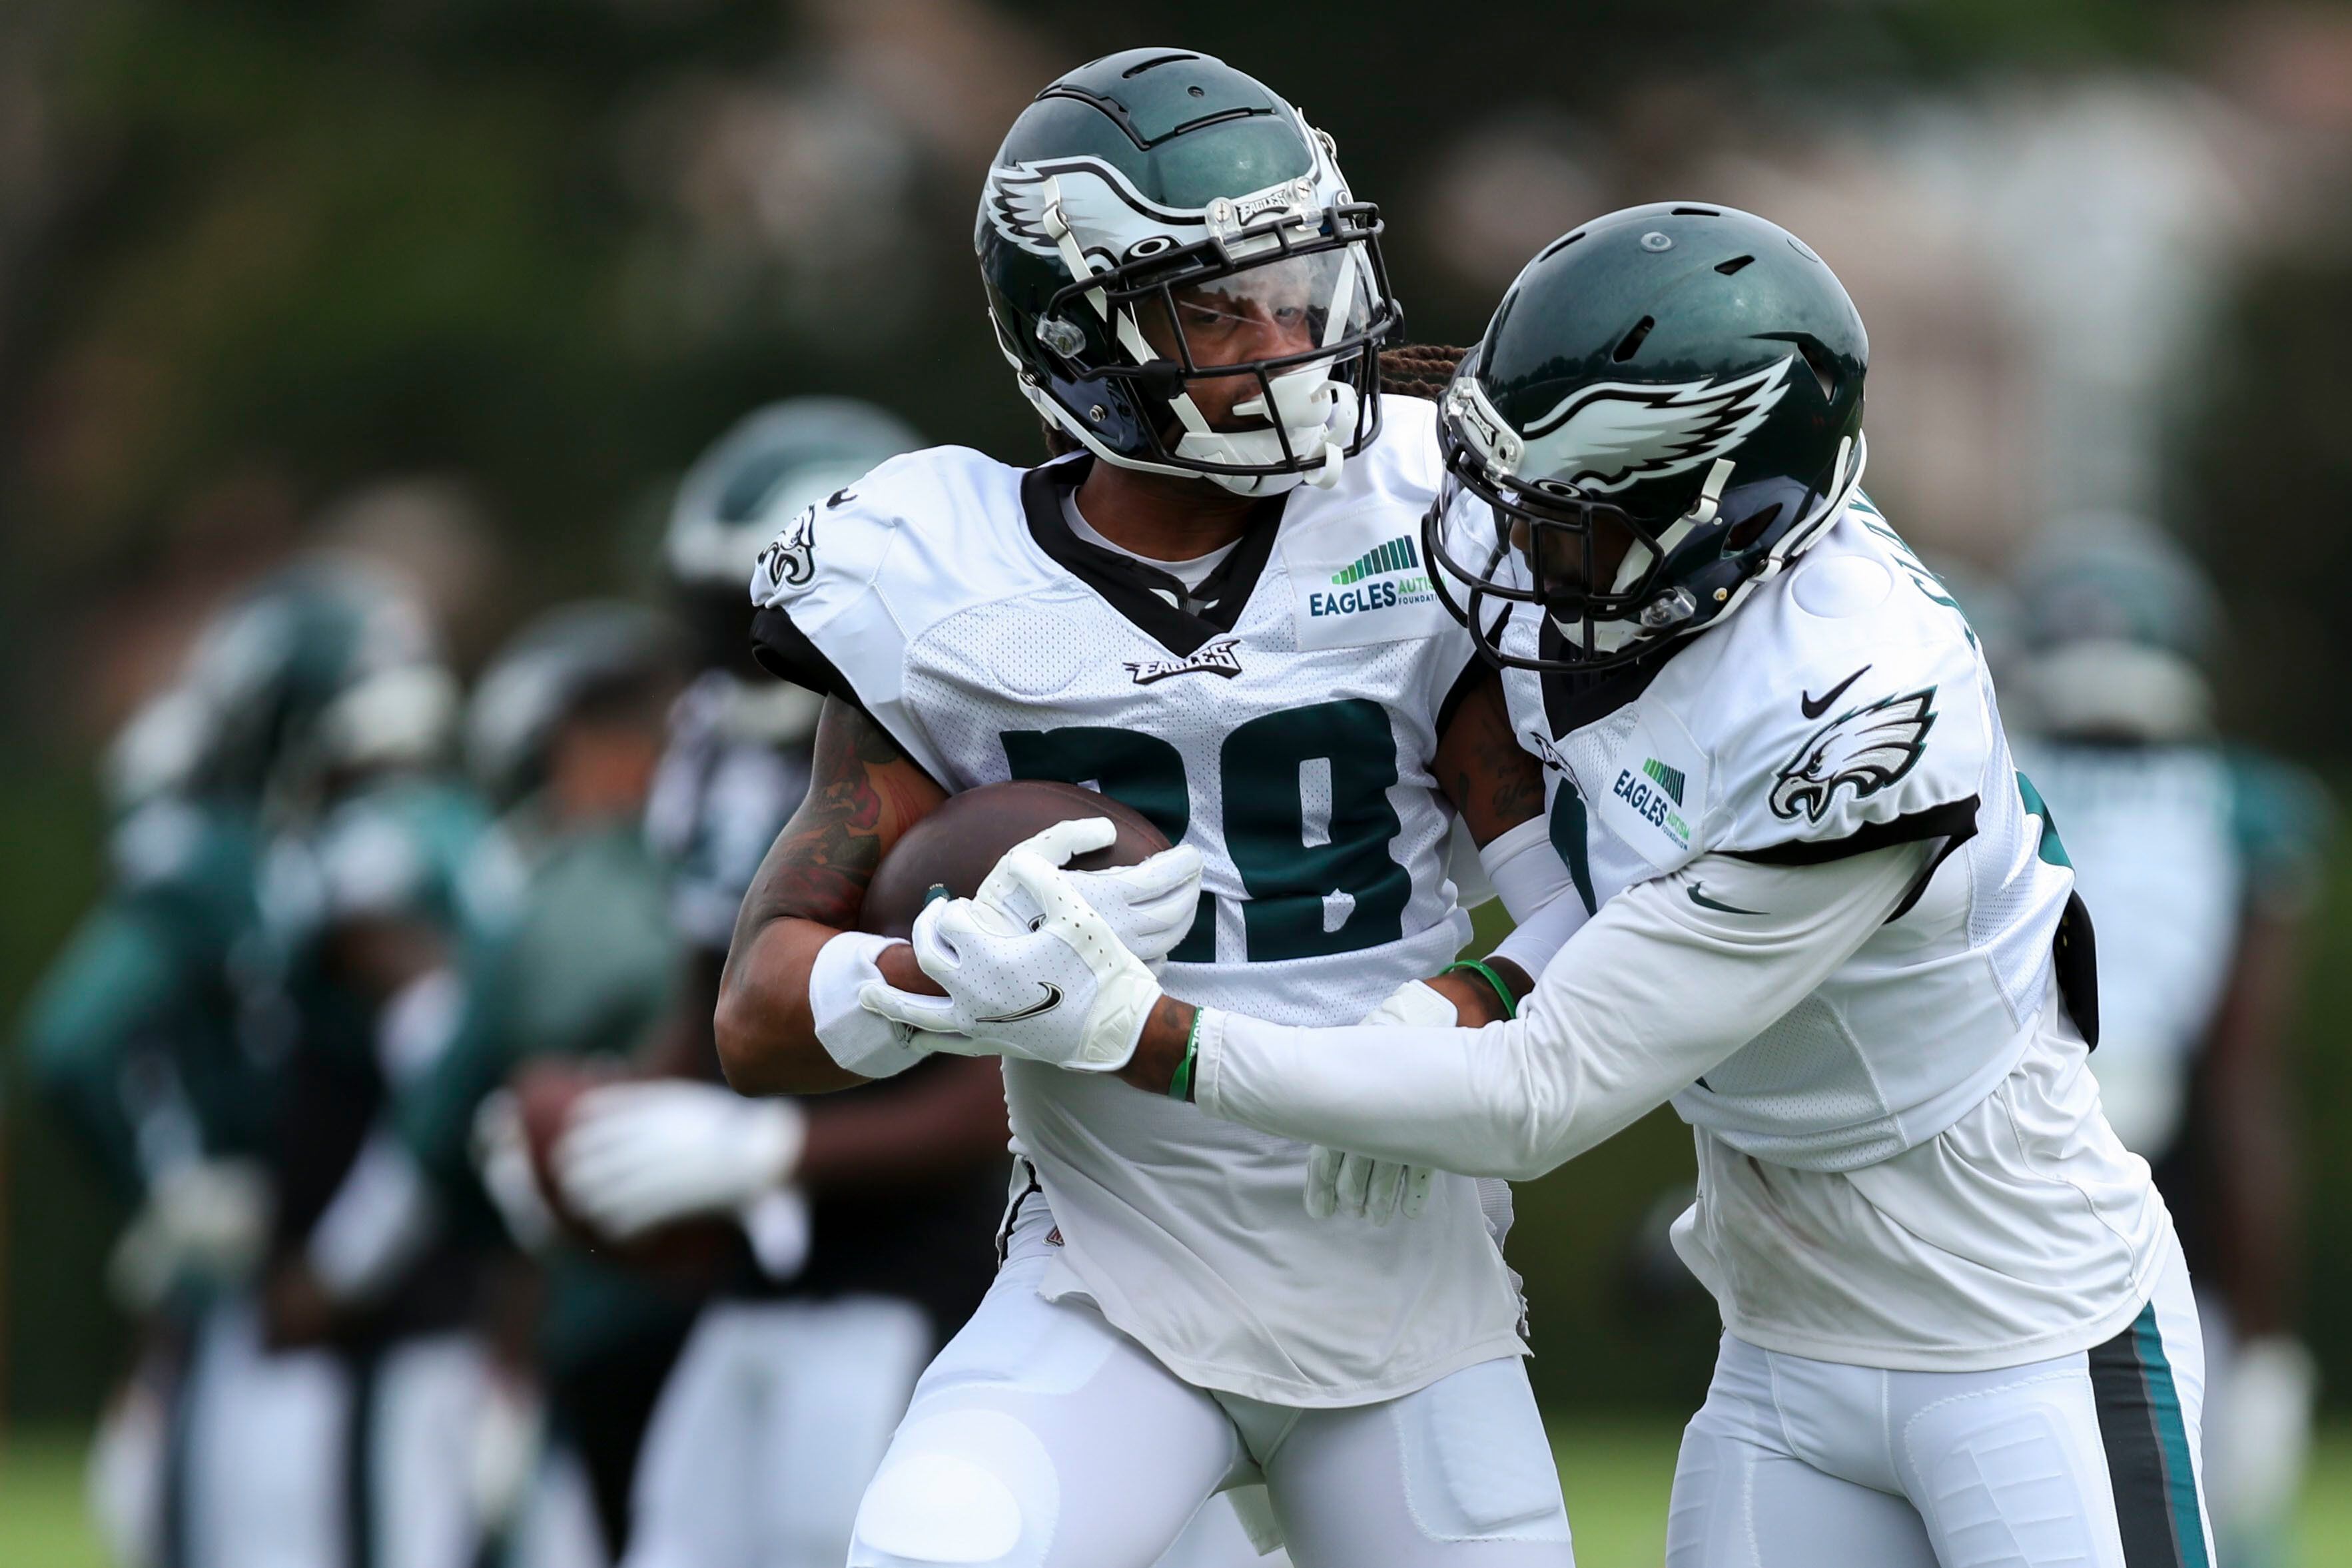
(2150, 1463)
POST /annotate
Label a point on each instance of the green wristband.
(1180, 1087)
(1510, 1003)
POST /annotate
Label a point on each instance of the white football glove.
(205, 1219)
(1148, 906)
(638, 1156)
(502, 1157)
(1030, 968)
(1357, 1185)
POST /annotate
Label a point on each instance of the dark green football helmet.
(1666, 409)
(1157, 221)
(327, 668)
(771, 464)
(562, 664)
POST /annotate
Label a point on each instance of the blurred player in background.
(563, 732)
(167, 1034)
(2203, 862)
(134, 1037)
(786, 1392)
(369, 897)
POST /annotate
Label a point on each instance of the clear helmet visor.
(1290, 307)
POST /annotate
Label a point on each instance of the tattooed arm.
(864, 793)
(1492, 780)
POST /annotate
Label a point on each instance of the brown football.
(958, 845)
(546, 1091)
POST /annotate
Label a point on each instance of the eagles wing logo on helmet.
(1868, 747)
(1104, 212)
(1603, 437)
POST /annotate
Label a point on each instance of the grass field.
(1616, 1476)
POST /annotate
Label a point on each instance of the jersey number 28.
(1297, 855)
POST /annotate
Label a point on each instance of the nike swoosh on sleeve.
(1815, 709)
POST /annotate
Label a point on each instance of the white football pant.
(2088, 1459)
(269, 1451)
(268, 1437)
(557, 1525)
(1043, 1437)
(768, 1430)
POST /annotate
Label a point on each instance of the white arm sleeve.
(1654, 990)
(1526, 871)
(1536, 887)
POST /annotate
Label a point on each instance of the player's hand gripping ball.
(1033, 966)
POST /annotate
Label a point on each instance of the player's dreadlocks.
(1419, 370)
(1412, 370)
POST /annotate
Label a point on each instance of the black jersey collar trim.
(1135, 590)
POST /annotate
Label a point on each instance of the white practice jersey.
(2150, 833)
(725, 787)
(1843, 707)
(1287, 730)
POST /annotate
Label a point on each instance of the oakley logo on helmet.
(1604, 437)
(1106, 215)
(1868, 747)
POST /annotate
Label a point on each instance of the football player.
(1214, 609)
(362, 1266)
(167, 1032)
(2203, 860)
(786, 1392)
(1825, 919)
(579, 960)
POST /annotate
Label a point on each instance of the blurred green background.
(521, 260)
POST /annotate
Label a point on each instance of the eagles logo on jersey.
(1869, 748)
(788, 561)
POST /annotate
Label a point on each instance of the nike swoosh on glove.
(1357, 1185)
(1055, 986)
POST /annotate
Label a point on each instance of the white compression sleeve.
(1527, 871)
(1535, 886)
(1654, 991)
